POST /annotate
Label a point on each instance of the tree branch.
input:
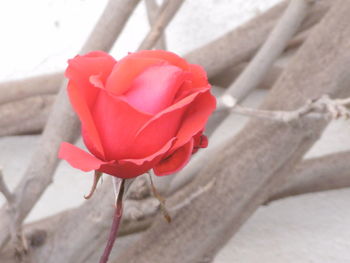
(240, 44)
(28, 87)
(27, 115)
(276, 42)
(166, 14)
(153, 11)
(329, 172)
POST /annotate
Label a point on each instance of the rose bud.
(146, 111)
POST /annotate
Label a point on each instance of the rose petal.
(117, 123)
(83, 94)
(81, 68)
(90, 132)
(161, 128)
(170, 57)
(176, 161)
(155, 88)
(197, 82)
(78, 158)
(199, 141)
(126, 70)
(128, 168)
(195, 117)
(199, 76)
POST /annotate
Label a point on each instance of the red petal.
(90, 133)
(155, 88)
(117, 123)
(129, 168)
(79, 158)
(176, 161)
(200, 141)
(81, 68)
(199, 76)
(161, 128)
(126, 70)
(195, 118)
(83, 94)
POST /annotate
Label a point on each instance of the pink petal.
(170, 57)
(155, 88)
(126, 70)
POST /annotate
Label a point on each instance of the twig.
(63, 124)
(278, 39)
(324, 107)
(166, 13)
(152, 14)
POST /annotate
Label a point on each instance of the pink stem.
(115, 225)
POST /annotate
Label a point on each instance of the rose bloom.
(146, 111)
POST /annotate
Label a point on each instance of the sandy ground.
(304, 229)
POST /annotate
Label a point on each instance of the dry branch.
(152, 14)
(27, 115)
(240, 44)
(257, 159)
(324, 173)
(276, 42)
(27, 87)
(166, 14)
(62, 124)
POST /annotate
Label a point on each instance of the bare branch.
(166, 14)
(328, 172)
(27, 115)
(324, 107)
(277, 41)
(32, 86)
(152, 14)
(240, 44)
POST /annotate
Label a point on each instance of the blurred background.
(39, 36)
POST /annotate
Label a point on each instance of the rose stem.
(115, 225)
